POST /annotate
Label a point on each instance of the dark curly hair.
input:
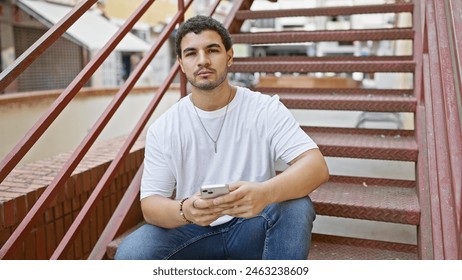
(198, 24)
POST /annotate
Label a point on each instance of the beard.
(206, 84)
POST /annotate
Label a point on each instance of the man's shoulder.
(169, 117)
(258, 99)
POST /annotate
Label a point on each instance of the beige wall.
(17, 116)
(159, 12)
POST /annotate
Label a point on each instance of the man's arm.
(165, 212)
(305, 173)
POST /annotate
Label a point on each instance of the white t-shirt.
(258, 131)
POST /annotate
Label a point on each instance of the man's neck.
(211, 100)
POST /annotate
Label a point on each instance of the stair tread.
(348, 58)
(326, 11)
(356, 102)
(367, 199)
(327, 247)
(323, 36)
(365, 143)
(357, 91)
(322, 65)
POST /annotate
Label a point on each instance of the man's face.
(204, 59)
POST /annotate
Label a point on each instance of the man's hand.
(201, 211)
(245, 200)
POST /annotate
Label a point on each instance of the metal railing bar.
(440, 132)
(132, 191)
(43, 43)
(452, 110)
(112, 169)
(38, 129)
(229, 20)
(437, 229)
(425, 230)
(31, 137)
(453, 14)
(109, 232)
(403, 7)
(418, 26)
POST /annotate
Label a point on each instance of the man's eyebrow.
(214, 45)
(189, 50)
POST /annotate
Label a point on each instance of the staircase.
(366, 210)
(387, 200)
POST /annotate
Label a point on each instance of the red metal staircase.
(385, 200)
(430, 203)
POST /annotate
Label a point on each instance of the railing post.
(183, 81)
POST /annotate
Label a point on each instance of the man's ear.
(180, 62)
(230, 55)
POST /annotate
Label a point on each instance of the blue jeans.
(281, 231)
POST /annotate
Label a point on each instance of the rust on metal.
(48, 195)
(322, 66)
(327, 11)
(105, 118)
(352, 102)
(361, 143)
(325, 35)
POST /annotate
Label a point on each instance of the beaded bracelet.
(181, 211)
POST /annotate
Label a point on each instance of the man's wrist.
(182, 212)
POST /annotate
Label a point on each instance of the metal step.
(327, 11)
(323, 36)
(354, 102)
(328, 247)
(393, 201)
(383, 144)
(348, 58)
(320, 64)
(336, 91)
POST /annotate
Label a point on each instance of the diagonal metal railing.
(68, 94)
(42, 44)
(31, 137)
(63, 100)
(132, 192)
(441, 142)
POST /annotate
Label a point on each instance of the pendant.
(215, 143)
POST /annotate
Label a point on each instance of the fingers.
(202, 211)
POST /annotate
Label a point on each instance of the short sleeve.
(286, 137)
(157, 177)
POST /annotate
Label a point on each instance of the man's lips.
(203, 72)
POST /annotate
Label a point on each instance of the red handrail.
(31, 137)
(113, 167)
(425, 235)
(132, 191)
(444, 133)
(45, 121)
(48, 39)
(452, 110)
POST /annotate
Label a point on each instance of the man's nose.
(203, 59)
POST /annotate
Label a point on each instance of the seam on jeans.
(191, 241)
(270, 224)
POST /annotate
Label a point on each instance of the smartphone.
(211, 191)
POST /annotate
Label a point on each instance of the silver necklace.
(222, 123)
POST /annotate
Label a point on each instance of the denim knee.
(299, 210)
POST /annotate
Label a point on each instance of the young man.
(222, 134)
